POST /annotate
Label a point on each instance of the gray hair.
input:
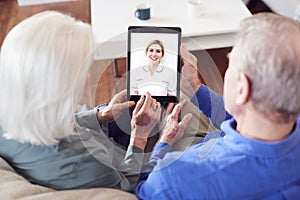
(43, 69)
(270, 57)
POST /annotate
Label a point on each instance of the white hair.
(43, 67)
(270, 55)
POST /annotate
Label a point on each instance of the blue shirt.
(224, 166)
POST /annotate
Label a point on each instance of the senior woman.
(43, 70)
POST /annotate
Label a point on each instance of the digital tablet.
(153, 62)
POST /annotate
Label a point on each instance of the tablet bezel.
(153, 29)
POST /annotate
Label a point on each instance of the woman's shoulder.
(169, 69)
(139, 69)
(67, 157)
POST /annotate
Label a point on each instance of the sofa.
(13, 186)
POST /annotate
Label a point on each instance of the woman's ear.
(244, 89)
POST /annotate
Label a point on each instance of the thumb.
(183, 51)
(124, 106)
(182, 126)
(185, 121)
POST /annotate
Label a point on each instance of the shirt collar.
(159, 69)
(256, 147)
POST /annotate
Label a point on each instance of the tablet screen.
(153, 62)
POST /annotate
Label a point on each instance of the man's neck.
(256, 126)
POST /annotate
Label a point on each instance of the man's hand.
(190, 81)
(145, 117)
(172, 129)
(116, 106)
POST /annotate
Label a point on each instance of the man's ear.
(244, 89)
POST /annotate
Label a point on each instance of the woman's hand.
(145, 117)
(172, 129)
(116, 106)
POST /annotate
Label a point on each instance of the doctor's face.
(154, 54)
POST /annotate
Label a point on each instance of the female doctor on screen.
(155, 78)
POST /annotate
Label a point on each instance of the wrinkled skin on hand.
(144, 116)
(172, 128)
(115, 108)
(190, 81)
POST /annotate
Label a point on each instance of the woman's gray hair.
(43, 69)
(269, 47)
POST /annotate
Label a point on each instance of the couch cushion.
(14, 186)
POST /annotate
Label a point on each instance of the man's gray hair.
(270, 57)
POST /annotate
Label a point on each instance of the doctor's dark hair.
(156, 42)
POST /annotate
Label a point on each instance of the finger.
(147, 104)
(183, 51)
(131, 104)
(183, 48)
(121, 94)
(154, 103)
(184, 122)
(158, 111)
(159, 105)
(124, 106)
(139, 105)
(177, 109)
(119, 97)
(170, 108)
(182, 126)
(187, 56)
(135, 92)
